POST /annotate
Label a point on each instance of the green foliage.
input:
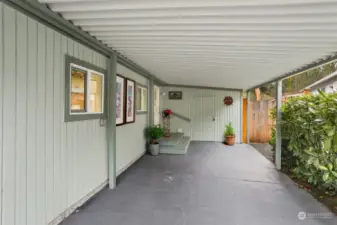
(229, 130)
(309, 125)
(288, 159)
(155, 132)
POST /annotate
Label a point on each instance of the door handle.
(213, 119)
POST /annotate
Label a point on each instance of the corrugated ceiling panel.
(237, 43)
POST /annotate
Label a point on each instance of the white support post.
(151, 103)
(278, 151)
(111, 119)
(248, 117)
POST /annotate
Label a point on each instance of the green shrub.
(229, 130)
(155, 132)
(288, 159)
(309, 124)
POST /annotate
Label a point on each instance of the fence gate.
(260, 121)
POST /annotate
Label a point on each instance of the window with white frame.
(84, 90)
(141, 99)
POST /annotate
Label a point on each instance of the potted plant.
(166, 121)
(229, 134)
(155, 133)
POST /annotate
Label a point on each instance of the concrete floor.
(212, 185)
(265, 149)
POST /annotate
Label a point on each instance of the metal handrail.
(181, 116)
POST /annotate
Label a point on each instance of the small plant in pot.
(230, 134)
(155, 133)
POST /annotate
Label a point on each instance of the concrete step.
(179, 149)
(173, 140)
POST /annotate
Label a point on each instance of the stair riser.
(180, 149)
(172, 141)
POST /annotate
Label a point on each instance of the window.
(84, 90)
(83, 100)
(78, 90)
(96, 92)
(141, 99)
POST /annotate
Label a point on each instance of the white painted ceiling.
(218, 43)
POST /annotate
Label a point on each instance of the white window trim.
(89, 72)
(141, 98)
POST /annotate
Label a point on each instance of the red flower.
(167, 112)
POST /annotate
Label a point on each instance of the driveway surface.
(212, 185)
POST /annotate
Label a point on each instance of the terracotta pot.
(230, 140)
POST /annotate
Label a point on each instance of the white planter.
(154, 149)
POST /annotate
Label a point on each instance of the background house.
(327, 84)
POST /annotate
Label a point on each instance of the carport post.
(247, 120)
(111, 119)
(151, 103)
(278, 154)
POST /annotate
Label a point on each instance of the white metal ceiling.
(219, 43)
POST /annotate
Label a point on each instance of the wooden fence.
(260, 120)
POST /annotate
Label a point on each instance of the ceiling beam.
(231, 44)
(224, 42)
(71, 5)
(326, 26)
(209, 20)
(182, 39)
(201, 87)
(203, 12)
(204, 60)
(204, 50)
(212, 55)
(224, 49)
(217, 34)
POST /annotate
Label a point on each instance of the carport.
(204, 46)
(217, 44)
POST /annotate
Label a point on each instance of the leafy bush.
(309, 123)
(288, 159)
(229, 130)
(155, 132)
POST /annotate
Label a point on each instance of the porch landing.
(177, 143)
(212, 185)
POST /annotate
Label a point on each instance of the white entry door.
(208, 119)
(203, 118)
